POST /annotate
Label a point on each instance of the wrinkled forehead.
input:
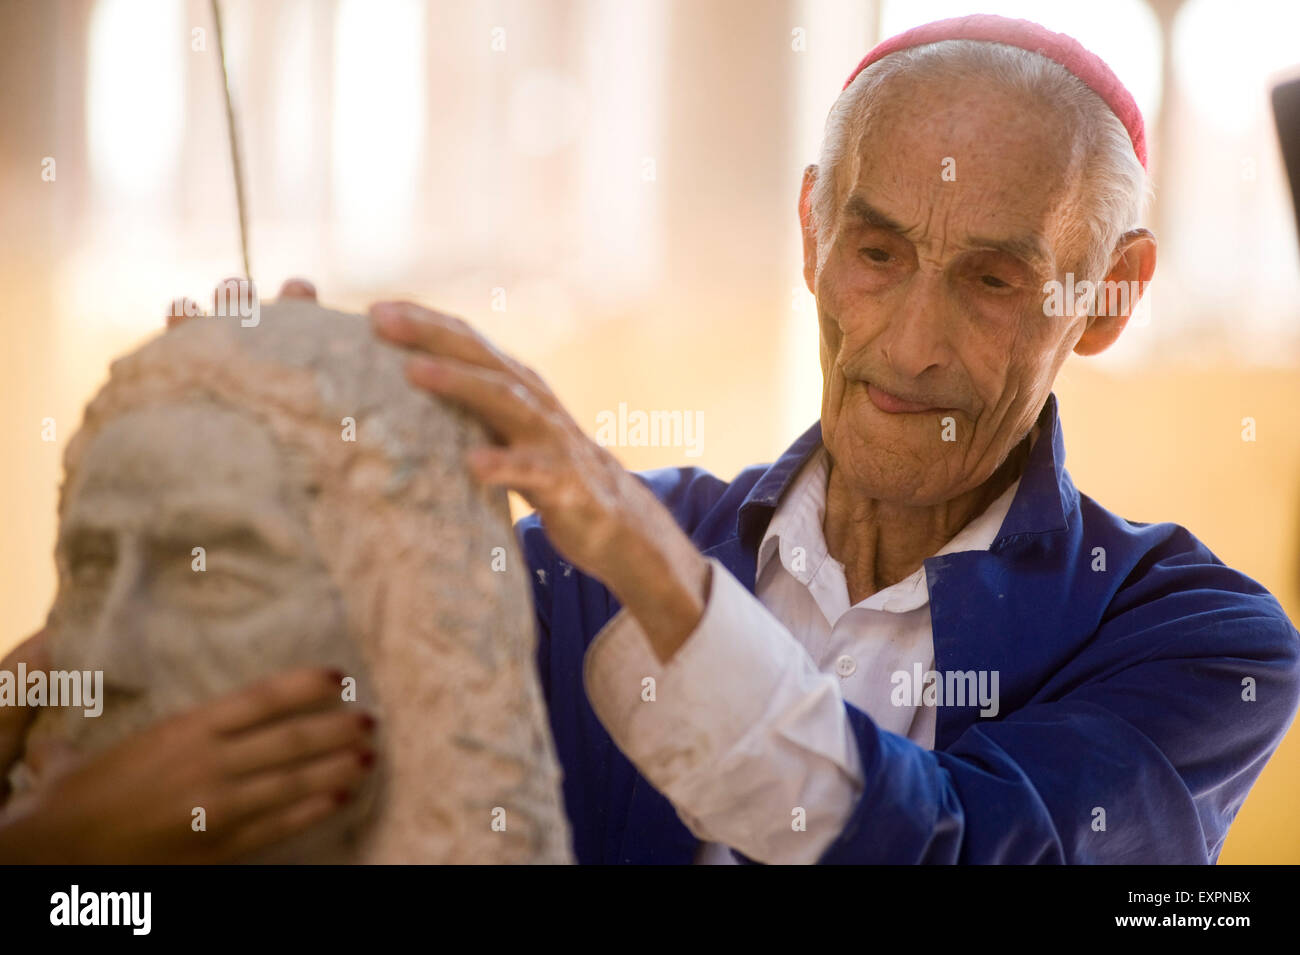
(988, 158)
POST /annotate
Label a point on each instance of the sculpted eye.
(221, 588)
(91, 560)
(214, 591)
(92, 570)
(91, 563)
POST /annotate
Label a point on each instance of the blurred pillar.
(34, 211)
(730, 192)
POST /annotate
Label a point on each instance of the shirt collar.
(801, 510)
(1044, 499)
(798, 519)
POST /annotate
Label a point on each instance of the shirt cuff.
(739, 730)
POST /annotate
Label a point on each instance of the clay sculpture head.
(242, 500)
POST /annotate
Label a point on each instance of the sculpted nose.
(113, 642)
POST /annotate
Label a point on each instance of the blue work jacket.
(1144, 685)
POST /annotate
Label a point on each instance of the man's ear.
(1134, 262)
(807, 229)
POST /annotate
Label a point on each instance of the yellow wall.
(1167, 446)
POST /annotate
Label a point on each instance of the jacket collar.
(1042, 504)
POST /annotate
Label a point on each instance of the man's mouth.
(893, 404)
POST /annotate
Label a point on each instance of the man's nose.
(917, 330)
(114, 642)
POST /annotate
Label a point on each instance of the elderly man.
(911, 639)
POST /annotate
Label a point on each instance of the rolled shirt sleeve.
(739, 730)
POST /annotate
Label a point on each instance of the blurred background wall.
(608, 188)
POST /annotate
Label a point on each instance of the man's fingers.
(414, 326)
(526, 469)
(230, 298)
(498, 399)
(299, 738)
(228, 294)
(338, 773)
(181, 309)
(297, 288)
(447, 336)
(280, 824)
(275, 697)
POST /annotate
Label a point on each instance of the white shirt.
(746, 733)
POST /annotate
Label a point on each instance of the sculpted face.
(168, 626)
(931, 289)
(339, 527)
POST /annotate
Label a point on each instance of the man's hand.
(584, 495)
(265, 763)
(183, 308)
(601, 518)
(14, 720)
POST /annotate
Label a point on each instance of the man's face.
(951, 208)
(170, 625)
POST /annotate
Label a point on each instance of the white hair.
(1113, 186)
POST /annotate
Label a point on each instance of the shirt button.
(845, 665)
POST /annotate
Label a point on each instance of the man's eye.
(992, 281)
(877, 255)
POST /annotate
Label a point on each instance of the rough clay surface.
(407, 539)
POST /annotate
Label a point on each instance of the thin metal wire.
(235, 162)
